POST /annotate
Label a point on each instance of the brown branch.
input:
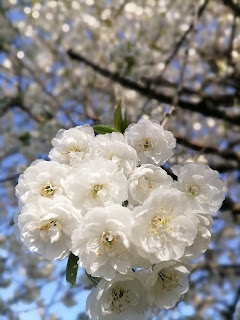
(10, 178)
(17, 103)
(204, 107)
(231, 308)
(226, 267)
(226, 154)
(234, 7)
(226, 99)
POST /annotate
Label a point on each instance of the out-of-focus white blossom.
(96, 183)
(102, 241)
(201, 184)
(123, 298)
(46, 226)
(73, 145)
(152, 143)
(113, 146)
(144, 180)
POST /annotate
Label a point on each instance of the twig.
(226, 154)
(192, 30)
(184, 37)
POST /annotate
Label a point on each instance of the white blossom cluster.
(106, 199)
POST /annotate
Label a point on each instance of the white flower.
(123, 298)
(152, 143)
(201, 184)
(114, 147)
(102, 241)
(96, 183)
(144, 180)
(42, 178)
(162, 227)
(73, 145)
(199, 245)
(46, 226)
(203, 237)
(166, 283)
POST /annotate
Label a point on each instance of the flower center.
(108, 240)
(145, 183)
(48, 190)
(169, 280)
(51, 224)
(95, 190)
(160, 221)
(119, 299)
(69, 149)
(50, 231)
(193, 189)
(146, 144)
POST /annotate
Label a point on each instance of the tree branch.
(16, 102)
(204, 107)
(10, 178)
(184, 36)
(234, 7)
(226, 154)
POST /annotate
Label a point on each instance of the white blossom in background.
(73, 145)
(152, 143)
(201, 184)
(102, 241)
(144, 180)
(41, 178)
(46, 226)
(166, 283)
(113, 146)
(96, 183)
(123, 298)
(162, 228)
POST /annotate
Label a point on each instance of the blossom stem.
(94, 280)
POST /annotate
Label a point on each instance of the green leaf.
(118, 118)
(102, 129)
(25, 138)
(120, 123)
(72, 269)
(125, 123)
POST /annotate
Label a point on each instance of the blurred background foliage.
(64, 63)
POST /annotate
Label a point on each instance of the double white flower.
(152, 143)
(202, 186)
(123, 298)
(162, 227)
(143, 180)
(42, 178)
(96, 183)
(73, 145)
(102, 241)
(166, 283)
(113, 146)
(46, 226)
